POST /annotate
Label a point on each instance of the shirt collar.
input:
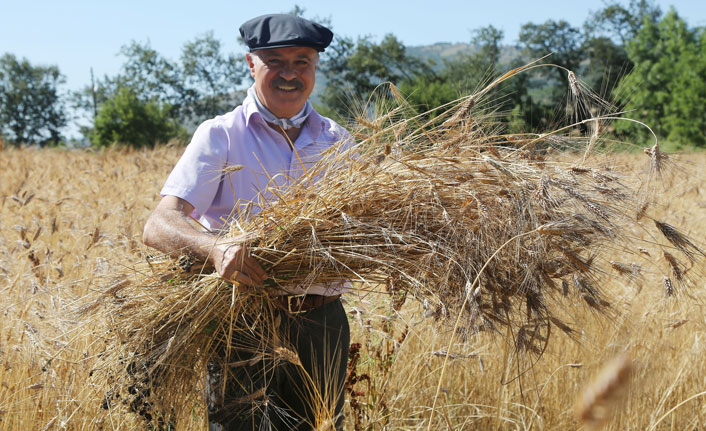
(315, 122)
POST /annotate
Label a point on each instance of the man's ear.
(251, 63)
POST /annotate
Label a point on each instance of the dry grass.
(70, 220)
(70, 226)
(81, 224)
(663, 336)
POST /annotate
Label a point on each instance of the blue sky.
(79, 34)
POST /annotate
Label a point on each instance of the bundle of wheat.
(492, 230)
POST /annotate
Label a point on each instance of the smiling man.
(272, 134)
(284, 78)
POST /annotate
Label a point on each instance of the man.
(274, 134)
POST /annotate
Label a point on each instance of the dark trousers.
(298, 385)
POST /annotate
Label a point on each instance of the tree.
(150, 76)
(426, 92)
(474, 71)
(668, 56)
(459, 76)
(356, 69)
(619, 23)
(559, 38)
(487, 40)
(203, 84)
(608, 62)
(568, 50)
(146, 75)
(685, 118)
(210, 78)
(606, 33)
(31, 111)
(125, 119)
(565, 44)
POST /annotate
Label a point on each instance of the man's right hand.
(168, 229)
(234, 263)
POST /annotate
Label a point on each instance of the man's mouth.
(288, 85)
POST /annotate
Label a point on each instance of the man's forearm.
(169, 231)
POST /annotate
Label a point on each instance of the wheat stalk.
(600, 398)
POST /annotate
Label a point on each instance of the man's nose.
(287, 72)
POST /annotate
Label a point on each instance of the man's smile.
(287, 86)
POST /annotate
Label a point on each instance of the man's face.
(284, 77)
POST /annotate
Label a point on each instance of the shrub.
(126, 120)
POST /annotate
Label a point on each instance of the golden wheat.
(66, 235)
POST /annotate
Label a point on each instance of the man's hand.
(168, 229)
(234, 263)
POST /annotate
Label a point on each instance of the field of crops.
(70, 221)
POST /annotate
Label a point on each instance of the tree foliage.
(467, 71)
(667, 87)
(606, 63)
(557, 38)
(606, 33)
(626, 48)
(205, 82)
(210, 78)
(31, 110)
(620, 23)
(149, 75)
(354, 70)
(458, 76)
(125, 119)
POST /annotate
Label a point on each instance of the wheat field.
(71, 220)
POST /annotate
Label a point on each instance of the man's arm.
(168, 229)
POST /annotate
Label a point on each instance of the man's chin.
(289, 94)
(288, 104)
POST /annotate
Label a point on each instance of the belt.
(297, 304)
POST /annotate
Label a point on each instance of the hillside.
(444, 51)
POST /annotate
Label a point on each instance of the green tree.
(31, 109)
(620, 23)
(146, 75)
(606, 33)
(469, 71)
(428, 91)
(151, 76)
(668, 56)
(557, 38)
(549, 87)
(459, 76)
(125, 119)
(685, 117)
(607, 63)
(488, 39)
(203, 84)
(210, 79)
(354, 70)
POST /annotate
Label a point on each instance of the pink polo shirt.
(242, 137)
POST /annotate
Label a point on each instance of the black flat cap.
(283, 30)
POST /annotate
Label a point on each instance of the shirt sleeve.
(197, 175)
